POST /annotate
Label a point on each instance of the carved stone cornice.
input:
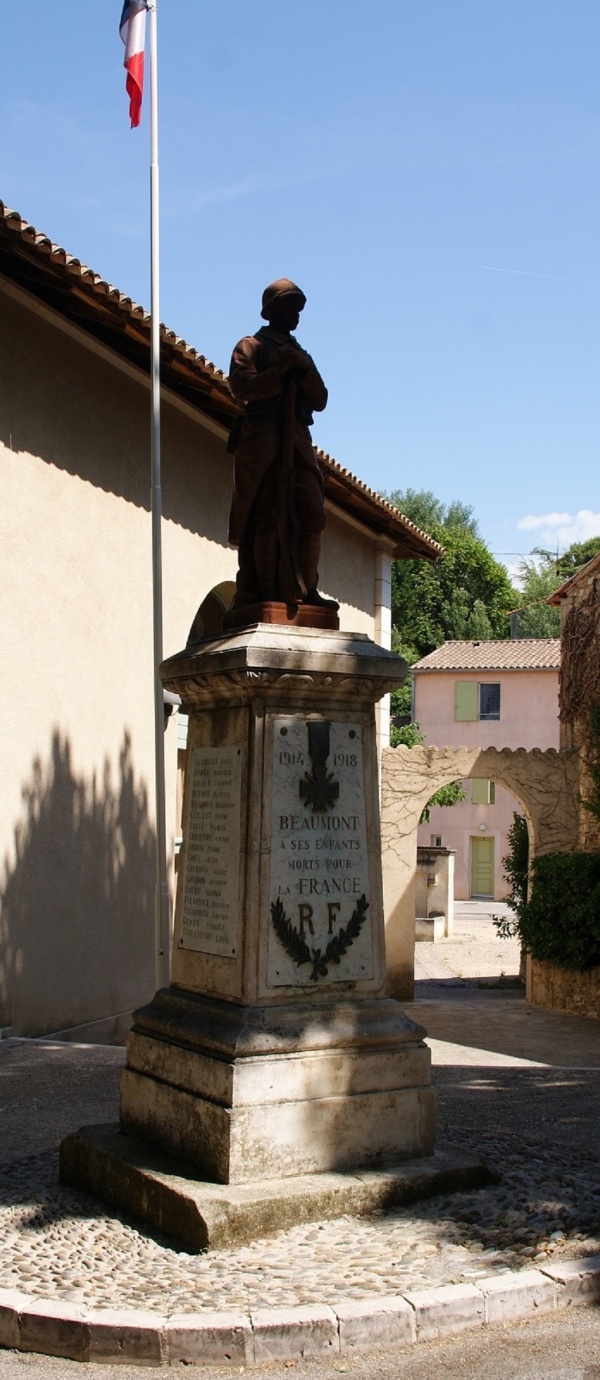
(282, 665)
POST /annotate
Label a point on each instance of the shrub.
(516, 871)
(561, 920)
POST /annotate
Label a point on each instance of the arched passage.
(209, 618)
(544, 782)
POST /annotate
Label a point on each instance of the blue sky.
(427, 170)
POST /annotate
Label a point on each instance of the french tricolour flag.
(133, 33)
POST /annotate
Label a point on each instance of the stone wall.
(563, 989)
(580, 686)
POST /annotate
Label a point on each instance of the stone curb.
(55, 1328)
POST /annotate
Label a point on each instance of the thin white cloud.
(561, 529)
(528, 273)
(250, 185)
(549, 521)
(312, 168)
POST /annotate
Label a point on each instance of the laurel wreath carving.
(295, 945)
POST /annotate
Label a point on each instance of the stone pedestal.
(275, 1052)
(274, 1082)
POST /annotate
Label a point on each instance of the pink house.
(484, 694)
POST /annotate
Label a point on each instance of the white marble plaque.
(209, 911)
(319, 924)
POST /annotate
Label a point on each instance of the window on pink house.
(476, 700)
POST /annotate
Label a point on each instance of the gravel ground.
(537, 1122)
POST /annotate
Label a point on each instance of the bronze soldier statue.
(278, 511)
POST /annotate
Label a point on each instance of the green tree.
(576, 555)
(466, 594)
(539, 579)
(428, 512)
(539, 576)
(447, 795)
(459, 517)
(478, 626)
(401, 699)
(407, 735)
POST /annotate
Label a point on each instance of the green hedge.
(561, 921)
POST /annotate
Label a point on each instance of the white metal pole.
(161, 904)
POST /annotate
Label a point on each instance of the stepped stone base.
(129, 1174)
(248, 1093)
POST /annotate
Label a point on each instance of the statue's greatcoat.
(255, 379)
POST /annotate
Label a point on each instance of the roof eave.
(353, 496)
(62, 282)
(564, 590)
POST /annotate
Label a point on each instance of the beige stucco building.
(501, 694)
(77, 948)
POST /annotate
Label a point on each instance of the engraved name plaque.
(209, 910)
(320, 930)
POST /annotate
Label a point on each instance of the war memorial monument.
(274, 1081)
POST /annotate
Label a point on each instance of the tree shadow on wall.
(77, 917)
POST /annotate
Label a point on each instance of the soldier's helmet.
(283, 287)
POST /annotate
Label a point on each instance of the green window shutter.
(482, 791)
(465, 700)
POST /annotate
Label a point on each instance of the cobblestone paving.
(60, 1244)
(57, 1243)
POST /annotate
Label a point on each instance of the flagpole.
(162, 899)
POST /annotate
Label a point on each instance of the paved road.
(474, 951)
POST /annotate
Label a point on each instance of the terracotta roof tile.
(15, 223)
(333, 466)
(184, 368)
(516, 654)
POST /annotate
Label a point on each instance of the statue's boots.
(318, 601)
(310, 550)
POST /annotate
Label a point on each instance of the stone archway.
(544, 782)
(209, 618)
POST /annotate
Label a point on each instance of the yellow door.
(482, 867)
